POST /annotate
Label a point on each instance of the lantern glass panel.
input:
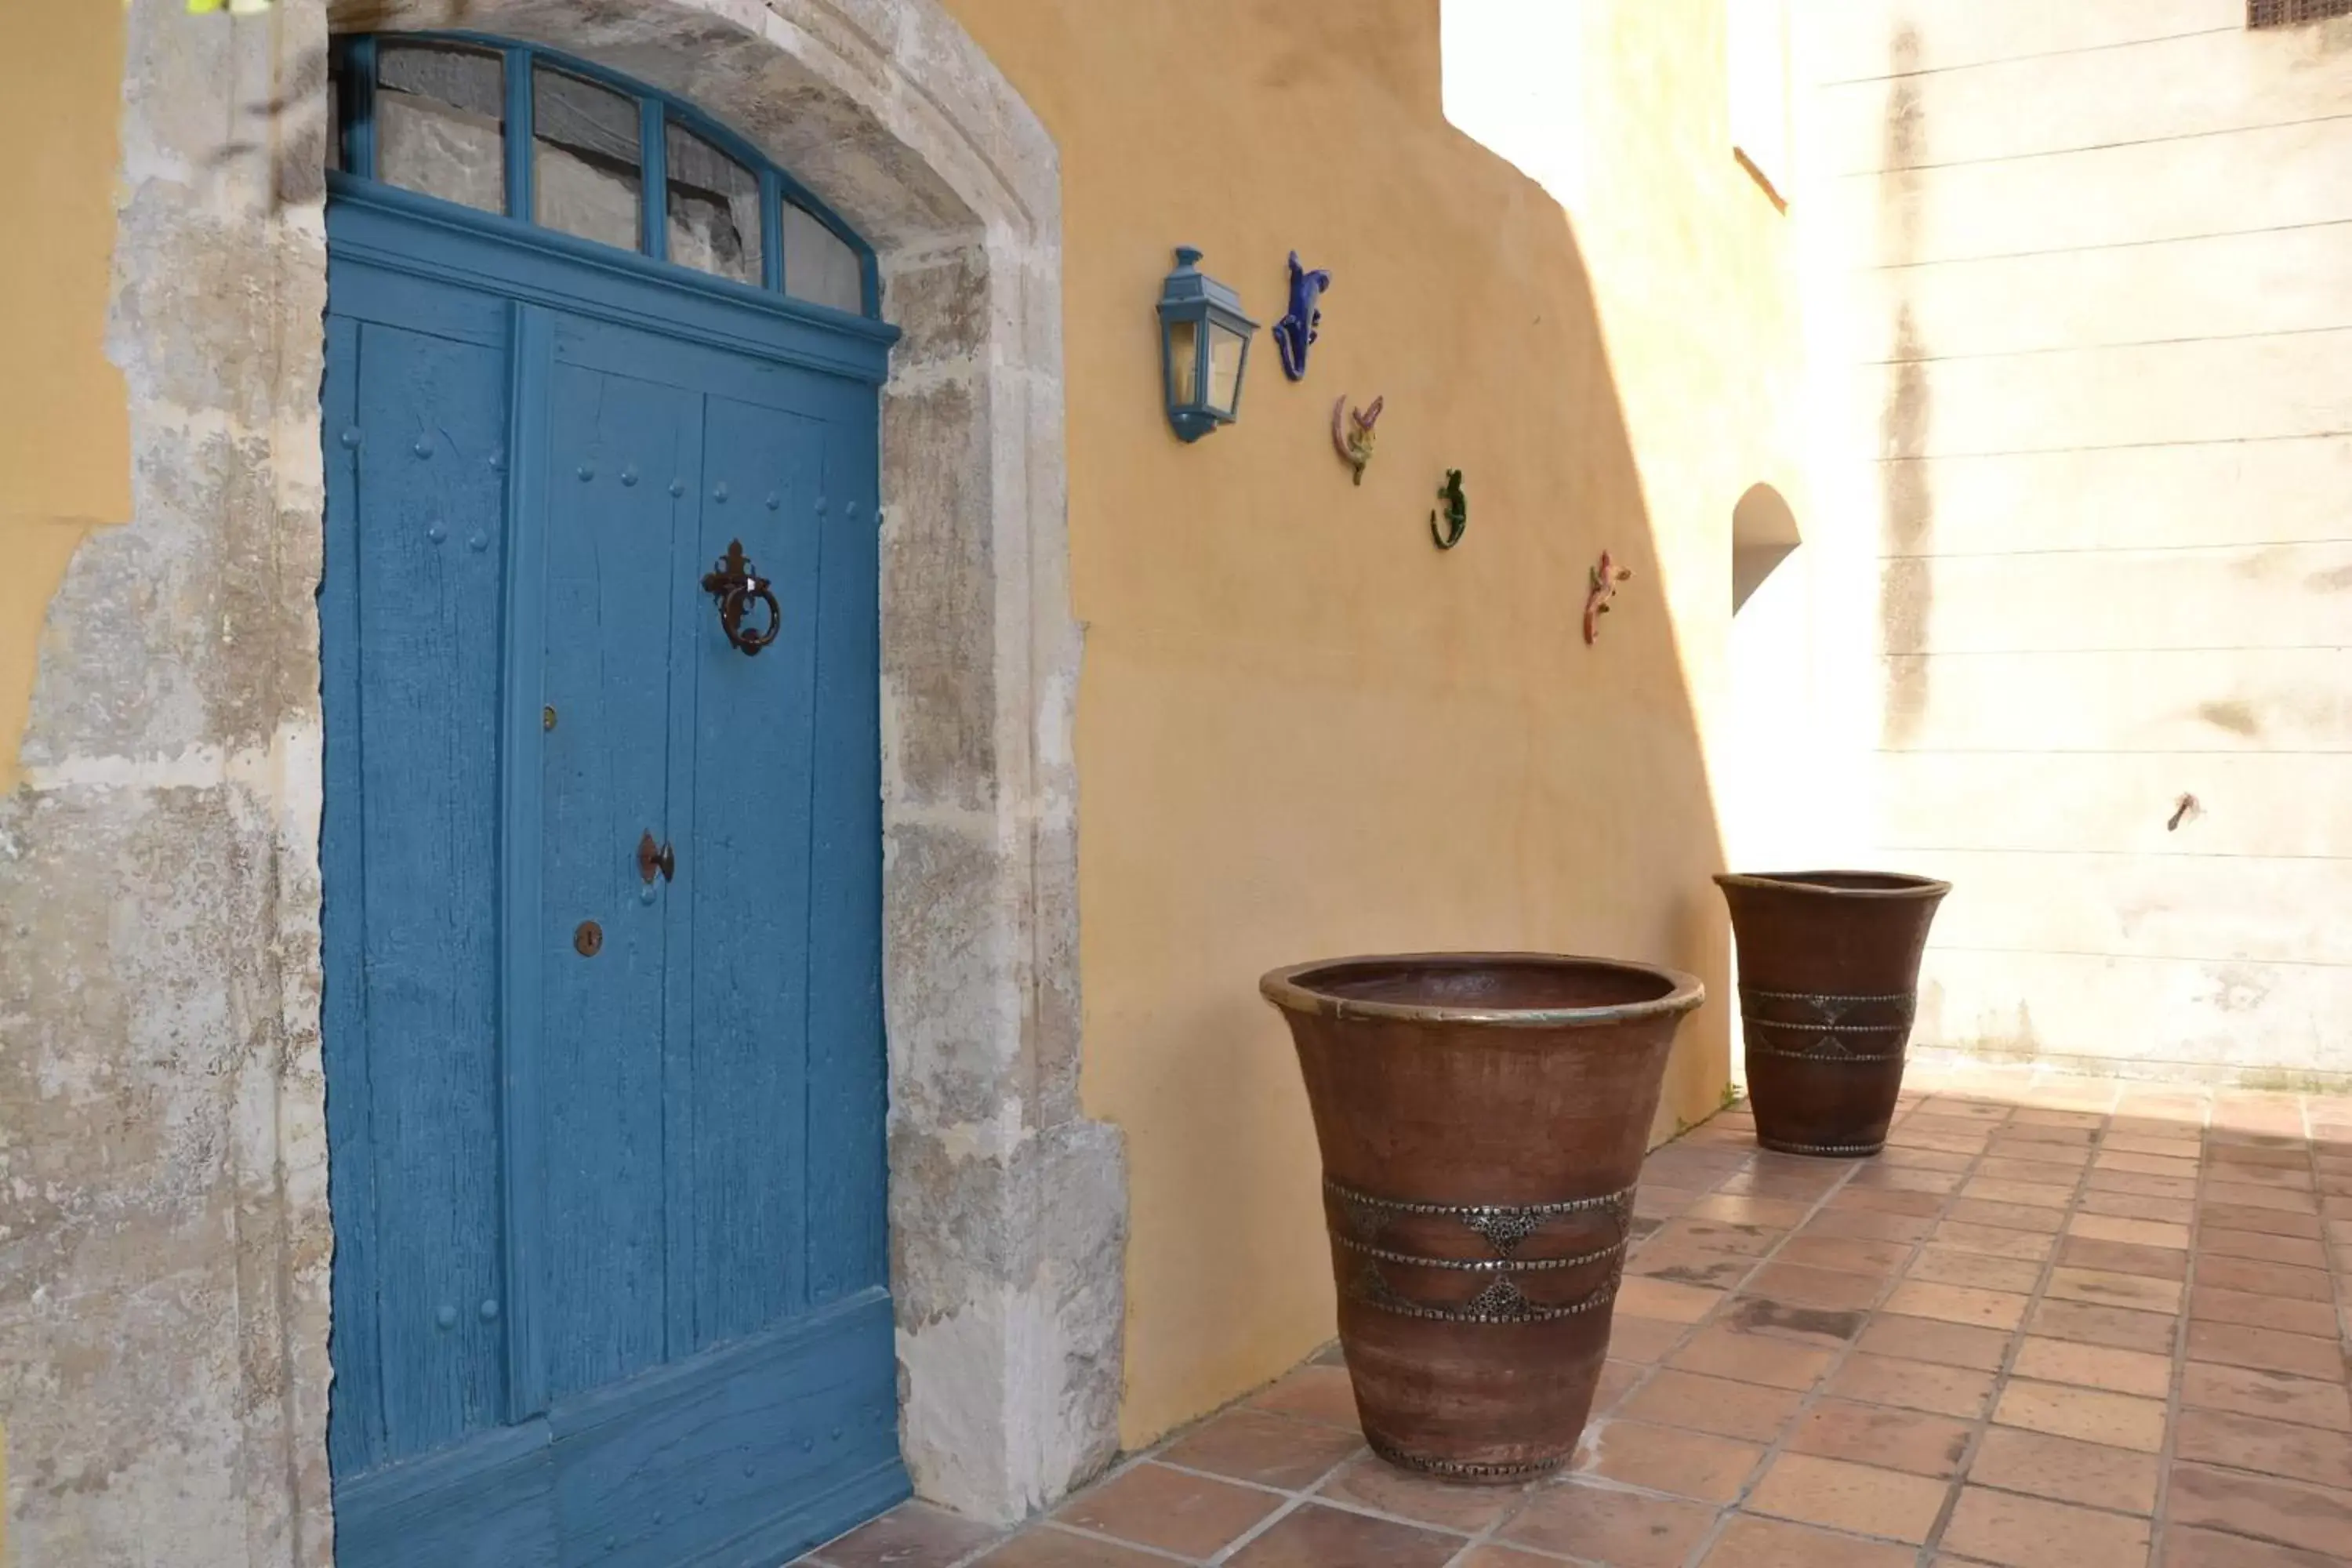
(1184, 363)
(1226, 349)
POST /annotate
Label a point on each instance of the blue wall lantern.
(1204, 342)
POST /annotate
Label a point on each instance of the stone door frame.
(1007, 1206)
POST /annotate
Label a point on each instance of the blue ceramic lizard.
(1296, 330)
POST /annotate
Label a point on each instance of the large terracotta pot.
(1829, 977)
(1483, 1119)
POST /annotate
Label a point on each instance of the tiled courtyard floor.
(2060, 1323)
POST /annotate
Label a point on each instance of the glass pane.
(586, 168)
(1183, 363)
(440, 114)
(1226, 348)
(714, 209)
(335, 118)
(818, 266)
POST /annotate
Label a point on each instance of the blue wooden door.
(606, 1138)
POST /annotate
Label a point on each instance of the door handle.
(737, 586)
(652, 858)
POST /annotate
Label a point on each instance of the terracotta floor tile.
(2102, 1288)
(1992, 1190)
(2095, 1366)
(1888, 1200)
(2248, 1195)
(2030, 1532)
(1912, 1385)
(1800, 1285)
(2151, 1144)
(1642, 1340)
(2294, 1284)
(1378, 1485)
(1958, 1304)
(1685, 1264)
(1802, 1186)
(1909, 1179)
(1926, 1338)
(2268, 1221)
(1848, 1254)
(2234, 1344)
(1879, 1435)
(2285, 1313)
(2123, 1257)
(1313, 1394)
(2186, 1546)
(2142, 1232)
(1667, 1459)
(1895, 1157)
(2248, 1391)
(2176, 1189)
(1949, 1266)
(1869, 1224)
(1666, 1299)
(2091, 1415)
(1152, 1505)
(2092, 1325)
(1506, 1557)
(1775, 1363)
(1319, 1537)
(2268, 1448)
(1663, 1203)
(1994, 1241)
(1715, 1404)
(1749, 1542)
(1272, 1450)
(2112, 1157)
(1617, 1378)
(912, 1535)
(1719, 1236)
(1046, 1547)
(2296, 1177)
(2288, 1512)
(2040, 1172)
(1731, 1208)
(2015, 1217)
(2066, 1469)
(2135, 1205)
(1820, 1326)
(1600, 1525)
(1844, 1496)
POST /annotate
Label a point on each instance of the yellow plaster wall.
(1302, 730)
(64, 446)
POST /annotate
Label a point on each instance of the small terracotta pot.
(1829, 979)
(1483, 1119)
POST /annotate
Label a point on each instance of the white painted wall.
(2079, 294)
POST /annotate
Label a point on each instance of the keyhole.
(589, 940)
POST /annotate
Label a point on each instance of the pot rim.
(1283, 988)
(1914, 886)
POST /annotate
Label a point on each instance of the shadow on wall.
(1303, 730)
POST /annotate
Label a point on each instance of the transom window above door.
(536, 137)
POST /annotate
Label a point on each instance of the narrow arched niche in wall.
(1763, 533)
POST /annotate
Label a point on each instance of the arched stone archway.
(1008, 1207)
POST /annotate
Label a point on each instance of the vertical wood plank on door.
(848, 1181)
(429, 540)
(750, 886)
(616, 446)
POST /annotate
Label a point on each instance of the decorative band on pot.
(1359, 1222)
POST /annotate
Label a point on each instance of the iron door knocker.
(735, 583)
